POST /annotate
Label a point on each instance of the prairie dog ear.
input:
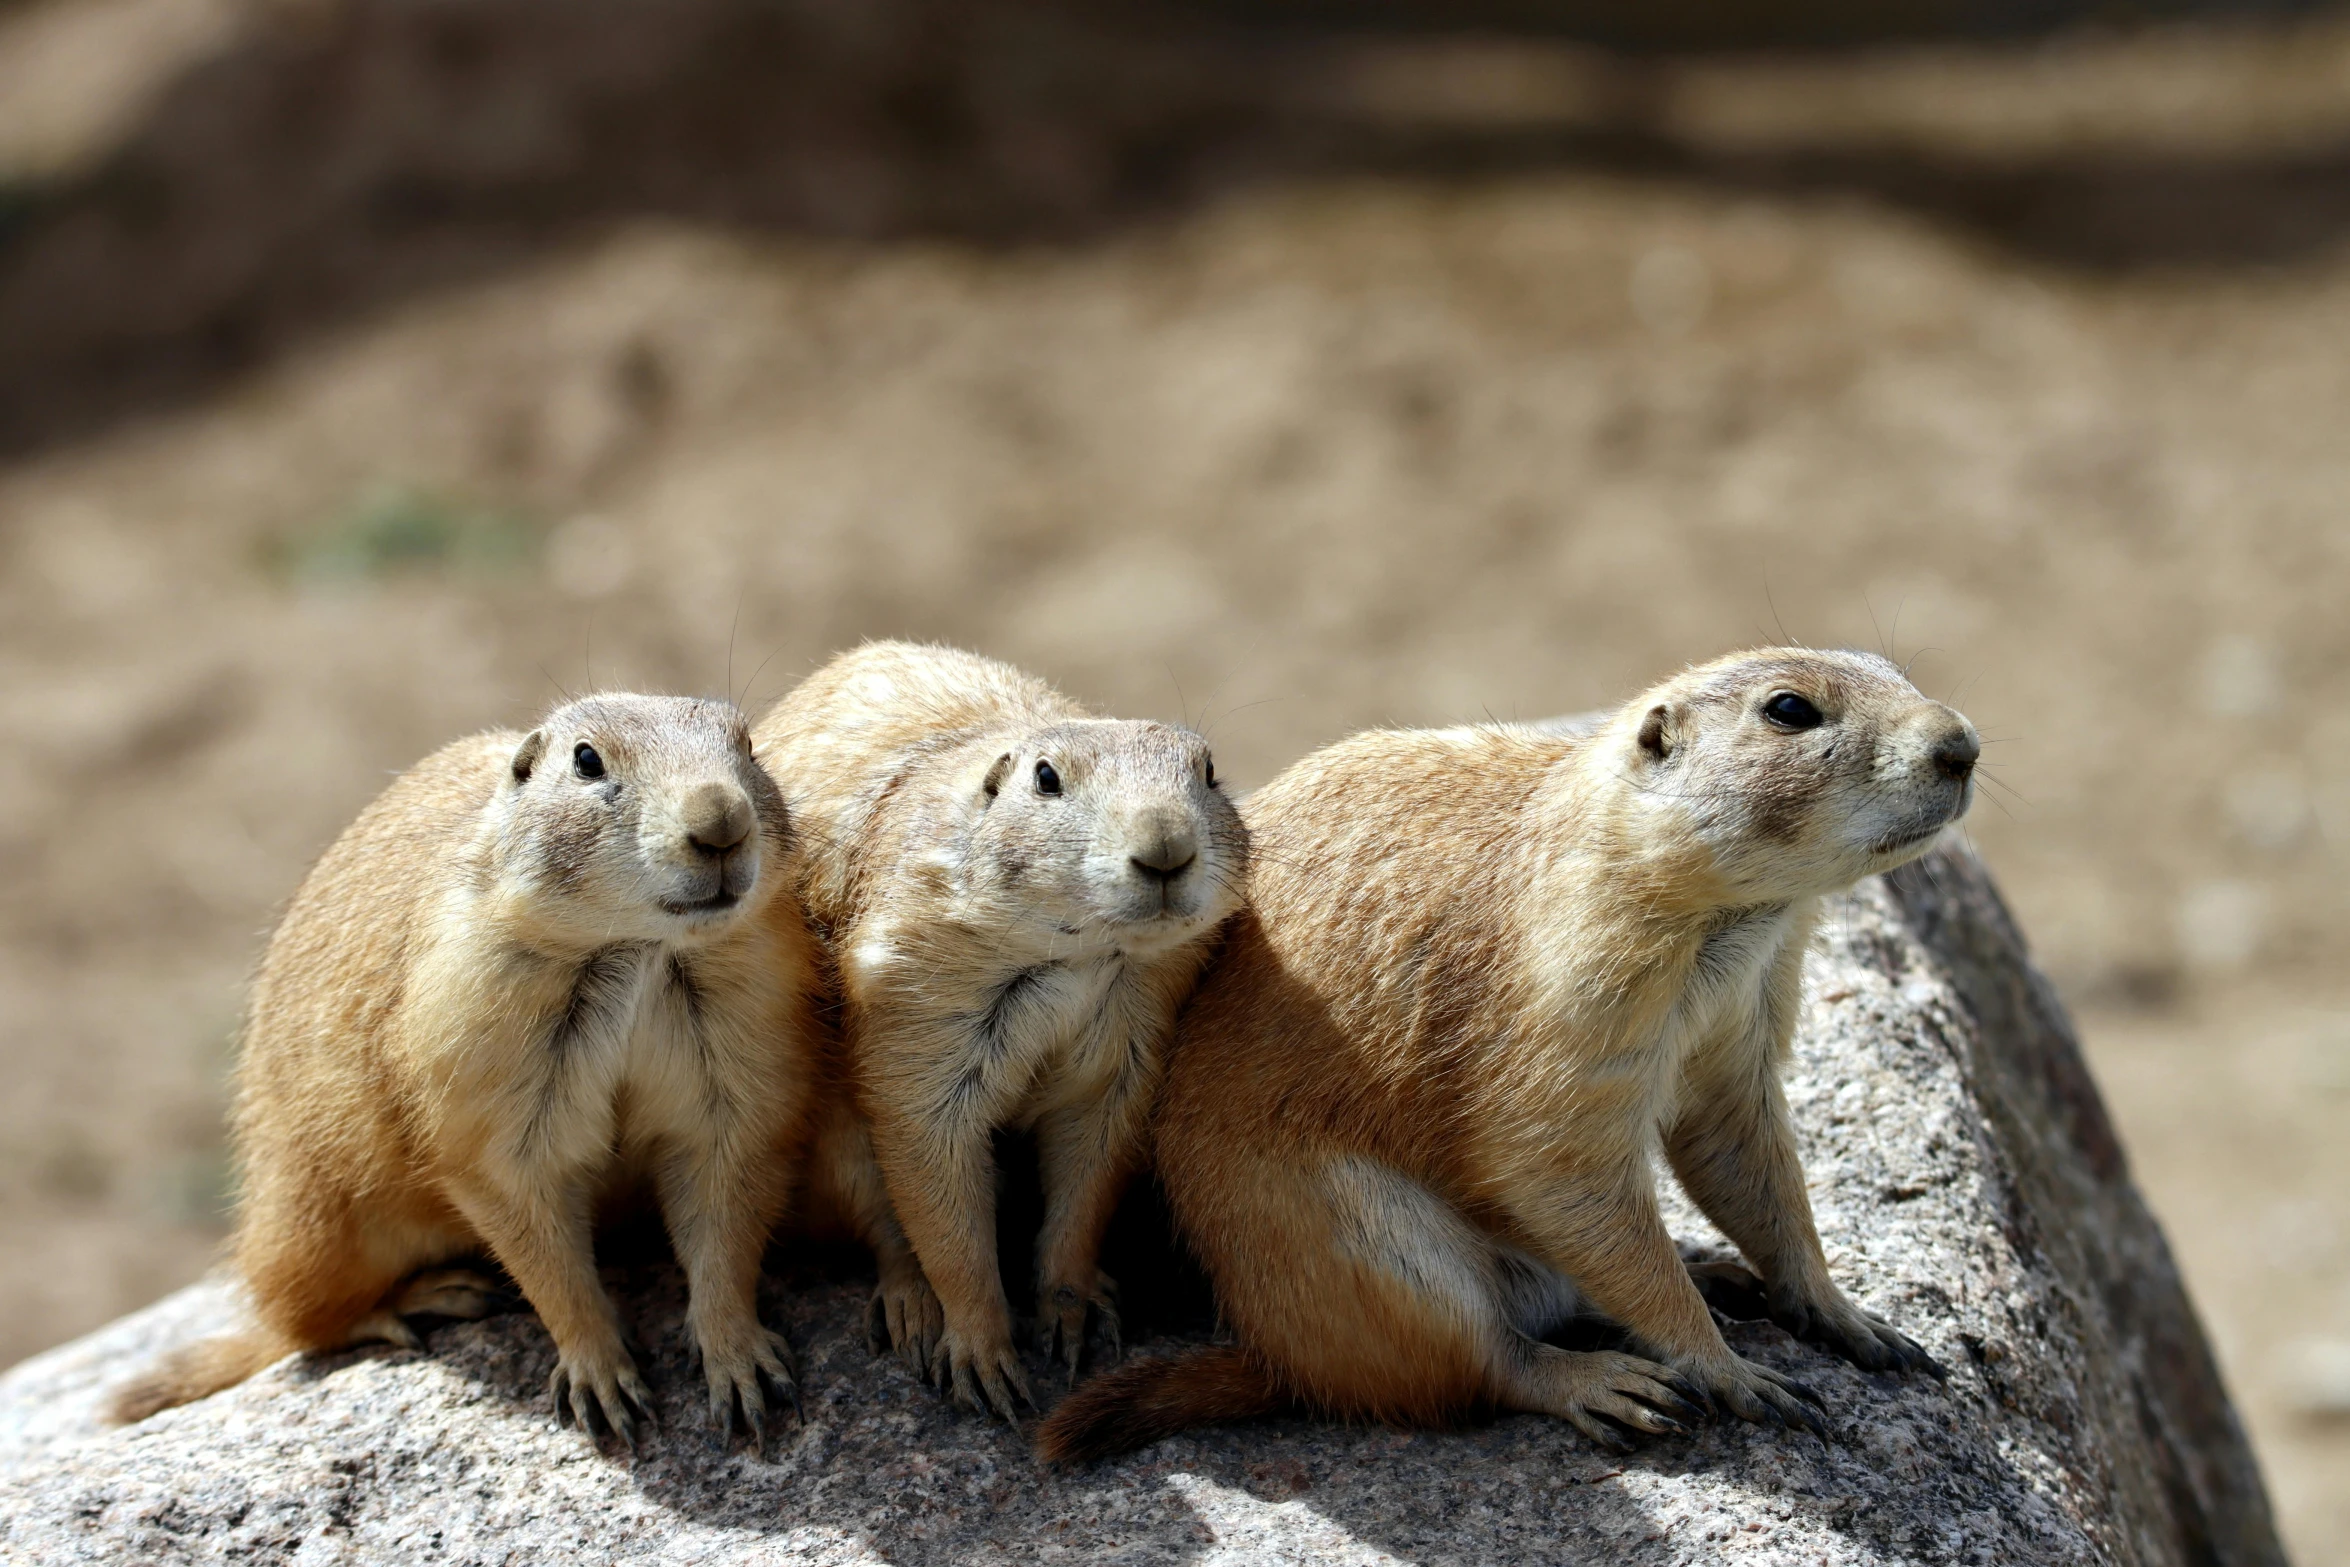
(527, 754)
(1656, 732)
(993, 783)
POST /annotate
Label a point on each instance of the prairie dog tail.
(1150, 1400)
(195, 1371)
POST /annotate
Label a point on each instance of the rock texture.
(1968, 1186)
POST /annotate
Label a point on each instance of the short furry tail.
(194, 1371)
(1151, 1400)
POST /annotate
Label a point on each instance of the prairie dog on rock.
(538, 971)
(1018, 897)
(1485, 973)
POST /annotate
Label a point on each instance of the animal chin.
(717, 902)
(1152, 919)
(1901, 842)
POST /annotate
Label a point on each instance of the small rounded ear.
(527, 754)
(993, 783)
(1655, 736)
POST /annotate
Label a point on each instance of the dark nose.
(1955, 753)
(1167, 859)
(717, 818)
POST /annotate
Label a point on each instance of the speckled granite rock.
(1968, 1186)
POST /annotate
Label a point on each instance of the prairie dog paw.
(1064, 1311)
(1757, 1393)
(604, 1385)
(741, 1368)
(983, 1375)
(1604, 1394)
(905, 1315)
(462, 1294)
(1864, 1338)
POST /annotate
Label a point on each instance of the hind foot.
(1062, 1318)
(461, 1294)
(905, 1315)
(1601, 1393)
(1757, 1393)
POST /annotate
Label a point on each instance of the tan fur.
(510, 994)
(1486, 975)
(1006, 959)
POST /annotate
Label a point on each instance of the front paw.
(1837, 1325)
(1061, 1320)
(601, 1387)
(741, 1367)
(981, 1373)
(905, 1315)
(1756, 1393)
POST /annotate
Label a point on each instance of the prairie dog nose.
(1165, 853)
(1954, 754)
(717, 817)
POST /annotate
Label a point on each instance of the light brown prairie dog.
(537, 972)
(1485, 974)
(1018, 897)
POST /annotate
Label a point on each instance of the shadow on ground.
(338, 160)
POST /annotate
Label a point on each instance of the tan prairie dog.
(539, 972)
(1486, 973)
(1018, 896)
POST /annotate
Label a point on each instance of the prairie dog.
(1018, 897)
(538, 972)
(1485, 974)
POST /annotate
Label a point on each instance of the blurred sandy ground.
(349, 409)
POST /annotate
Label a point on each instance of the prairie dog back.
(539, 969)
(1017, 896)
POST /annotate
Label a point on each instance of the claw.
(1612, 1440)
(1674, 1404)
(1696, 1397)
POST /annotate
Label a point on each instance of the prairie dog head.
(1107, 828)
(1793, 772)
(635, 818)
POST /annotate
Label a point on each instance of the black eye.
(1047, 781)
(585, 760)
(1790, 711)
(1211, 765)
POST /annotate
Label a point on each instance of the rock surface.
(1968, 1186)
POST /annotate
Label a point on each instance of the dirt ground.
(1287, 389)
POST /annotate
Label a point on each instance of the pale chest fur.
(1025, 1037)
(1623, 1054)
(594, 1066)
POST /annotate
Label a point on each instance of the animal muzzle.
(720, 848)
(1162, 857)
(1955, 753)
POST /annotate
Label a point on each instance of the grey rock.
(1968, 1184)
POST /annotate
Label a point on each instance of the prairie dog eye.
(1047, 781)
(1789, 711)
(1210, 764)
(586, 762)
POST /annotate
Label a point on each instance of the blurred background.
(373, 370)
